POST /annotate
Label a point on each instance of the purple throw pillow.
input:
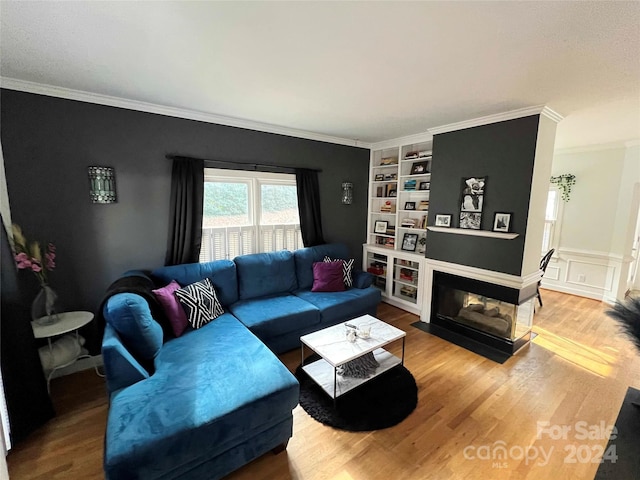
(328, 277)
(175, 313)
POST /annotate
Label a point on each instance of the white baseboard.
(572, 291)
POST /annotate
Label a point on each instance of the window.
(552, 219)
(248, 212)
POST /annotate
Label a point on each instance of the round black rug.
(379, 403)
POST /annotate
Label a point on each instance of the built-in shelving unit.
(399, 188)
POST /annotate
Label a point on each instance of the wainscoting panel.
(585, 273)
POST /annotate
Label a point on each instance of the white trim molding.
(499, 117)
(475, 233)
(111, 101)
(586, 273)
(403, 141)
(597, 147)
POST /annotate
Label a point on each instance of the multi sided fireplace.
(496, 315)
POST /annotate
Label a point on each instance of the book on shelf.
(388, 207)
(410, 184)
(423, 205)
(389, 161)
(408, 291)
(409, 222)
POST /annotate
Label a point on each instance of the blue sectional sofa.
(202, 405)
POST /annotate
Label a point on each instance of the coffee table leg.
(403, 340)
(302, 354)
(335, 384)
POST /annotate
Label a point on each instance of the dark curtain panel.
(185, 221)
(25, 387)
(309, 207)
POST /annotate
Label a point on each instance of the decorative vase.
(44, 306)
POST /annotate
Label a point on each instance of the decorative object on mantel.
(472, 202)
(501, 222)
(29, 256)
(102, 184)
(347, 193)
(443, 220)
(564, 183)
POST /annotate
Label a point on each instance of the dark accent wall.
(502, 152)
(49, 142)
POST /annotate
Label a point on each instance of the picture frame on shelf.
(380, 226)
(393, 192)
(379, 177)
(443, 220)
(390, 176)
(424, 186)
(419, 168)
(410, 205)
(501, 222)
(472, 194)
(409, 242)
(470, 220)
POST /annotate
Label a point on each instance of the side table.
(66, 322)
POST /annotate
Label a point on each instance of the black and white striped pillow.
(200, 302)
(347, 269)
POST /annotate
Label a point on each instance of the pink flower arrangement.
(29, 256)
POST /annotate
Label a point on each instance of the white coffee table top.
(331, 343)
(67, 322)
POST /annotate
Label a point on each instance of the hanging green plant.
(564, 183)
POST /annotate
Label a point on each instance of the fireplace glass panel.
(495, 317)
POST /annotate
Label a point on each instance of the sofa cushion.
(222, 274)
(129, 315)
(213, 389)
(347, 269)
(262, 274)
(306, 257)
(172, 308)
(328, 277)
(276, 315)
(200, 303)
(341, 306)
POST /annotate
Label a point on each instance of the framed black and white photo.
(379, 177)
(470, 220)
(472, 194)
(409, 242)
(501, 222)
(443, 221)
(410, 205)
(393, 192)
(380, 226)
(424, 186)
(419, 168)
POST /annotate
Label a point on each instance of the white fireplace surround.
(489, 276)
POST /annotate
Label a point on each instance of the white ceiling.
(357, 70)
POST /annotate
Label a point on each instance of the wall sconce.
(347, 193)
(102, 184)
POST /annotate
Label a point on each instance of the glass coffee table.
(335, 350)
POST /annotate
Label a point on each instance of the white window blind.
(248, 212)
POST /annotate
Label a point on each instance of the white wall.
(592, 256)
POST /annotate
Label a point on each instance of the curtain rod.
(244, 166)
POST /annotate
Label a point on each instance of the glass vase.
(44, 306)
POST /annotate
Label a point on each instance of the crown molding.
(408, 140)
(111, 101)
(498, 117)
(597, 147)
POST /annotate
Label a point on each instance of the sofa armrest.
(121, 369)
(362, 279)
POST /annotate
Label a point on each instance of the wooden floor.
(576, 370)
